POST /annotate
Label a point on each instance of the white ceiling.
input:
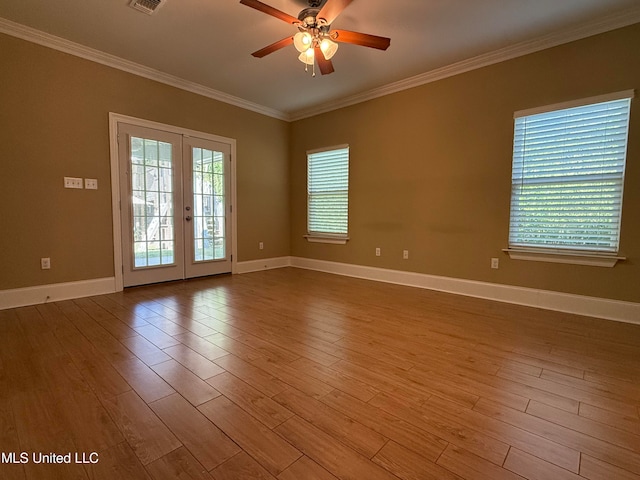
(209, 42)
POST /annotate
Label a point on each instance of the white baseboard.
(265, 264)
(20, 297)
(627, 312)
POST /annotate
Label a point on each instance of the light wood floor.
(299, 375)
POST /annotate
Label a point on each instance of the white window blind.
(328, 191)
(568, 175)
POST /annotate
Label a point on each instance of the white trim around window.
(567, 181)
(328, 195)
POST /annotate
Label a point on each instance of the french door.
(174, 205)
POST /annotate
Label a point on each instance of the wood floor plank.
(118, 461)
(329, 453)
(88, 423)
(38, 422)
(254, 376)
(381, 380)
(427, 445)
(101, 339)
(595, 469)
(589, 427)
(8, 437)
(449, 390)
(600, 388)
(476, 386)
(336, 379)
(95, 369)
(208, 444)
(46, 471)
(59, 325)
(262, 444)
(373, 350)
(627, 423)
(408, 465)
(267, 349)
(189, 385)
(149, 438)
(311, 386)
(593, 446)
(126, 315)
(77, 408)
(241, 467)
(195, 362)
(305, 468)
(156, 336)
(177, 464)
(427, 384)
(203, 346)
(353, 434)
(552, 452)
(628, 387)
(145, 350)
(105, 318)
(533, 468)
(472, 467)
(252, 401)
(166, 325)
(452, 431)
(149, 385)
(569, 392)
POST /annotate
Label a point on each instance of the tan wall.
(430, 169)
(54, 123)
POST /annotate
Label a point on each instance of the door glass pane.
(152, 199)
(208, 205)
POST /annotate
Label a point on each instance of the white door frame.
(114, 119)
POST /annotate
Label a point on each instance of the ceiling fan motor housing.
(308, 16)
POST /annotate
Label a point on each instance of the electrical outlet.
(72, 182)
(405, 254)
(377, 251)
(495, 263)
(261, 246)
(45, 263)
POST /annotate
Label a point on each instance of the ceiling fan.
(315, 40)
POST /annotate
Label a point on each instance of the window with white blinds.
(328, 192)
(568, 175)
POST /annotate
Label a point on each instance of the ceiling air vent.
(147, 6)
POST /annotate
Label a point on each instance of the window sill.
(563, 256)
(335, 240)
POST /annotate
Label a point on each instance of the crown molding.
(611, 22)
(621, 19)
(57, 43)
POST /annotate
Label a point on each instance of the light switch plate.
(91, 183)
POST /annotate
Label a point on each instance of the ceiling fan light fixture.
(314, 32)
(328, 48)
(308, 57)
(302, 41)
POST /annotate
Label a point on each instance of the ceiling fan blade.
(285, 42)
(326, 67)
(332, 9)
(274, 12)
(364, 39)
